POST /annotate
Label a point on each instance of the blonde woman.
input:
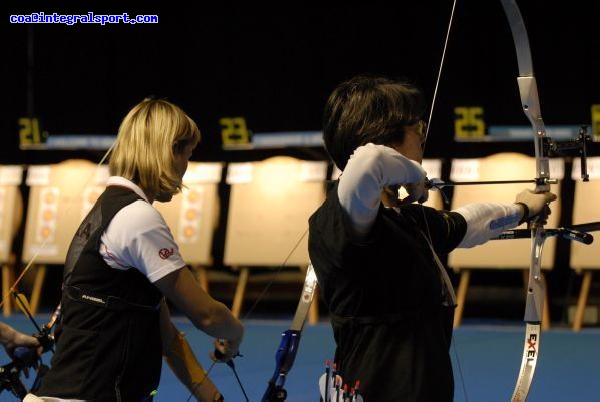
(121, 266)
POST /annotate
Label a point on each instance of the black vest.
(108, 344)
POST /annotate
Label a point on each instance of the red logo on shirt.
(165, 253)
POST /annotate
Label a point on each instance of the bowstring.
(430, 117)
(277, 272)
(247, 314)
(439, 74)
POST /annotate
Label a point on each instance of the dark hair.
(369, 109)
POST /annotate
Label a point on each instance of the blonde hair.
(151, 133)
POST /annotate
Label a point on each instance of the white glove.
(534, 202)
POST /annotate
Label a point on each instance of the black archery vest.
(108, 340)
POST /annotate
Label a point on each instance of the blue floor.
(486, 360)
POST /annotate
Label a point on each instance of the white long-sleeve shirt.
(373, 167)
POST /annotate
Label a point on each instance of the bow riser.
(286, 353)
(536, 288)
(531, 108)
(530, 102)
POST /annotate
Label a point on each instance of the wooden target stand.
(267, 225)
(11, 216)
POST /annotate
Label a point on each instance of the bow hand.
(225, 350)
(227, 356)
(535, 205)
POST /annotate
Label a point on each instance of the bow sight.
(577, 146)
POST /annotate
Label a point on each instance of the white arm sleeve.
(370, 168)
(487, 220)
